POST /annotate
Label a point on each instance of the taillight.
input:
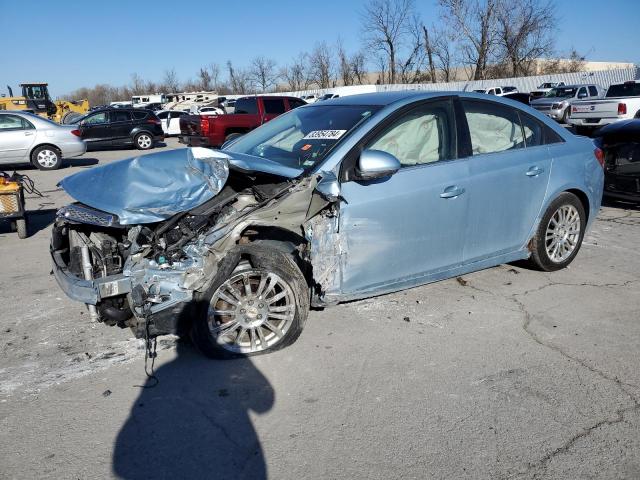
(204, 125)
(77, 133)
(599, 154)
(622, 109)
(155, 121)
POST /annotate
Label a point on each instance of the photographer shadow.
(195, 422)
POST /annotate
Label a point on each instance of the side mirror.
(374, 164)
(329, 187)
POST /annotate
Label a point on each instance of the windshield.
(561, 92)
(302, 137)
(547, 85)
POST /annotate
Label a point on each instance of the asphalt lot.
(505, 373)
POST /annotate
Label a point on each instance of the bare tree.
(239, 79)
(429, 48)
(296, 74)
(524, 30)
(263, 73)
(321, 67)
(385, 24)
(412, 64)
(345, 71)
(358, 68)
(475, 20)
(204, 79)
(574, 62)
(138, 86)
(214, 75)
(443, 45)
(170, 80)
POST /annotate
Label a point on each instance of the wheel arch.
(281, 239)
(45, 144)
(584, 199)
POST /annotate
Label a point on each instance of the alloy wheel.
(563, 233)
(144, 141)
(251, 311)
(47, 158)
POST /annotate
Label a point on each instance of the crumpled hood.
(151, 188)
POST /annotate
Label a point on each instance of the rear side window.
(120, 116)
(425, 134)
(593, 91)
(493, 127)
(273, 105)
(139, 115)
(631, 89)
(247, 105)
(163, 115)
(537, 133)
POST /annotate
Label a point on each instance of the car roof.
(405, 96)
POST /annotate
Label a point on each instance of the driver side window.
(97, 119)
(425, 134)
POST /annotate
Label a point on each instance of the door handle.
(534, 171)
(28, 134)
(452, 192)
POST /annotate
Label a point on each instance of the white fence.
(604, 78)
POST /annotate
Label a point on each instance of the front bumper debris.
(88, 291)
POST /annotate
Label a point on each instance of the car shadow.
(79, 162)
(195, 422)
(620, 204)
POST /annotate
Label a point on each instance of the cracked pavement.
(506, 373)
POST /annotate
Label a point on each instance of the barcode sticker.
(324, 135)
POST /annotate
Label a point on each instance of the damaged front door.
(397, 230)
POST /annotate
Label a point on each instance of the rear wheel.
(261, 307)
(46, 157)
(560, 233)
(143, 141)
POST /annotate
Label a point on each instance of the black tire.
(46, 157)
(268, 261)
(565, 114)
(21, 227)
(70, 117)
(540, 257)
(143, 141)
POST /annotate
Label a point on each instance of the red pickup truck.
(250, 112)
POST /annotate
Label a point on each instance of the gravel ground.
(505, 373)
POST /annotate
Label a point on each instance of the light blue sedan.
(340, 200)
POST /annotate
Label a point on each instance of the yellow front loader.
(35, 98)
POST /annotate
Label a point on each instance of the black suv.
(115, 127)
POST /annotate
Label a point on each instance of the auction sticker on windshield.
(324, 135)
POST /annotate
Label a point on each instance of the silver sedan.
(25, 137)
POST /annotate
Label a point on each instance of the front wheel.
(560, 233)
(143, 141)
(261, 307)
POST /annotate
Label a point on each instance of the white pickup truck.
(621, 102)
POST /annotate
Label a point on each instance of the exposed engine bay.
(153, 269)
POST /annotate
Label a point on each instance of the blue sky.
(73, 43)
